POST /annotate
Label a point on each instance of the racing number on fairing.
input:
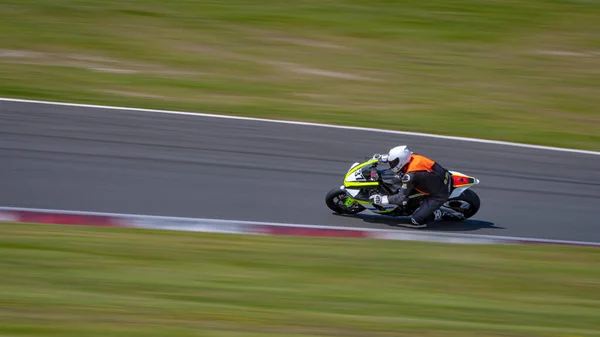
(358, 175)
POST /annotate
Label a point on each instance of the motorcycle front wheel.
(335, 200)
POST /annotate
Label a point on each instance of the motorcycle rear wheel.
(467, 203)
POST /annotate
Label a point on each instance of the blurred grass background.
(77, 281)
(526, 71)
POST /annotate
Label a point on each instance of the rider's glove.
(379, 199)
(380, 157)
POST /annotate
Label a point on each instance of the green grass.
(526, 71)
(76, 281)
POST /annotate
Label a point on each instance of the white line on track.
(406, 133)
(213, 225)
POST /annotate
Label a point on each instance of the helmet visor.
(394, 162)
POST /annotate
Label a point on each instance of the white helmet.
(398, 157)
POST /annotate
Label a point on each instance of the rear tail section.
(461, 182)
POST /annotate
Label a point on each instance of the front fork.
(350, 201)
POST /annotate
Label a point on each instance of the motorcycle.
(363, 180)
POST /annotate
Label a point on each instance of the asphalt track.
(93, 159)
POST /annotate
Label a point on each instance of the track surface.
(174, 165)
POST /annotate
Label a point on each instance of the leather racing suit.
(425, 176)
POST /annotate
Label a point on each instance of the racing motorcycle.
(365, 179)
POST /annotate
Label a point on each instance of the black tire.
(334, 200)
(468, 196)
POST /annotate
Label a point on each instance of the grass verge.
(77, 281)
(525, 71)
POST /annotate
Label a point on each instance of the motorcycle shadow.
(442, 225)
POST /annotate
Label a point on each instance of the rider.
(413, 171)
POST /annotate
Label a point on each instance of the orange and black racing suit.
(425, 176)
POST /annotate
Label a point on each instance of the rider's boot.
(450, 214)
(437, 215)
